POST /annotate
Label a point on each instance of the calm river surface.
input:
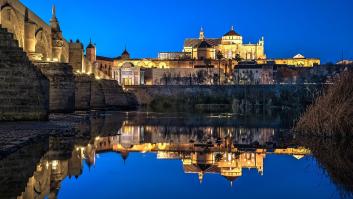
(149, 155)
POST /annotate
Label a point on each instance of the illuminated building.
(230, 44)
(298, 61)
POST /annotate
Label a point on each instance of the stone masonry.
(62, 86)
(24, 91)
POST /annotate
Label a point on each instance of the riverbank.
(332, 113)
(235, 98)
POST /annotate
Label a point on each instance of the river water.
(151, 155)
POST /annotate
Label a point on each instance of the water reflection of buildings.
(49, 173)
(202, 150)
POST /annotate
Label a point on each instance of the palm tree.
(219, 58)
(238, 58)
(207, 62)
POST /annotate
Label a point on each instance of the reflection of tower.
(201, 177)
(124, 155)
(231, 179)
(90, 154)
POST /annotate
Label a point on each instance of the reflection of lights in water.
(47, 165)
(162, 146)
(229, 157)
(54, 164)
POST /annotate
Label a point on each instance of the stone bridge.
(42, 41)
(38, 39)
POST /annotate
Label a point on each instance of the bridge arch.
(13, 23)
(43, 43)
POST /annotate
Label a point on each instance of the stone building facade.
(299, 61)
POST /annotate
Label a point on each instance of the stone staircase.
(24, 90)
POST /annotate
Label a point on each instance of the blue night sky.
(314, 28)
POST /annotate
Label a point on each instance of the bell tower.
(91, 53)
(202, 34)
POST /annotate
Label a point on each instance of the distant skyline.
(314, 28)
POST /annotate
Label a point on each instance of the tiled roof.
(203, 44)
(90, 45)
(194, 42)
(104, 58)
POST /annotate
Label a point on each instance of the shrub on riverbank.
(332, 113)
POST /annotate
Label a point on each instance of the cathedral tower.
(202, 34)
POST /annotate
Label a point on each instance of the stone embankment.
(30, 91)
(62, 86)
(101, 94)
(236, 98)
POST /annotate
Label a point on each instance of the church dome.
(232, 32)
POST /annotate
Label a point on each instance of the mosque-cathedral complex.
(215, 57)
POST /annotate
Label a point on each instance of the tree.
(207, 62)
(238, 58)
(201, 77)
